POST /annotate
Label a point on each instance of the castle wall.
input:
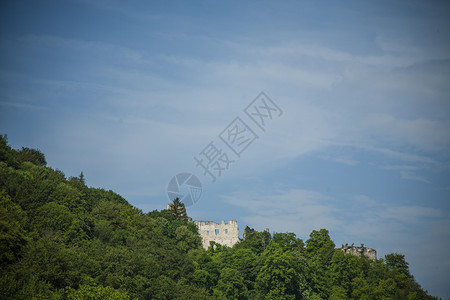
(226, 234)
(358, 251)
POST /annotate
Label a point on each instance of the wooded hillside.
(60, 239)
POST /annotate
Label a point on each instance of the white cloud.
(402, 156)
(411, 214)
(409, 172)
(302, 211)
(347, 160)
(91, 47)
(265, 71)
(19, 105)
(365, 200)
(285, 211)
(413, 176)
(322, 53)
(413, 230)
(131, 114)
(400, 167)
(422, 133)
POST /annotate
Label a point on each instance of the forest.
(60, 239)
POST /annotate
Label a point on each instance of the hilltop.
(61, 239)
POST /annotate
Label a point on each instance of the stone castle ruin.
(248, 230)
(226, 234)
(360, 251)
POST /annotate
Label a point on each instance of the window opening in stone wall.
(207, 232)
(226, 231)
(217, 231)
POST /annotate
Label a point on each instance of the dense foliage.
(60, 239)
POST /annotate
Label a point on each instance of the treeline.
(60, 239)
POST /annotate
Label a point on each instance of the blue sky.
(130, 93)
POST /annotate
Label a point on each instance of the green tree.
(81, 177)
(320, 250)
(60, 239)
(96, 292)
(248, 264)
(288, 241)
(8, 155)
(283, 274)
(343, 269)
(32, 155)
(178, 209)
(12, 234)
(397, 262)
(338, 293)
(231, 285)
(55, 217)
(320, 245)
(202, 278)
(187, 239)
(255, 241)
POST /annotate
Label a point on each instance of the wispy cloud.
(285, 211)
(340, 159)
(388, 227)
(323, 53)
(412, 176)
(311, 208)
(131, 107)
(399, 155)
(19, 105)
(422, 133)
(409, 172)
(75, 45)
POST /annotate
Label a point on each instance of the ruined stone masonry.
(248, 230)
(358, 251)
(226, 234)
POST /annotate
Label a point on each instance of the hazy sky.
(131, 93)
